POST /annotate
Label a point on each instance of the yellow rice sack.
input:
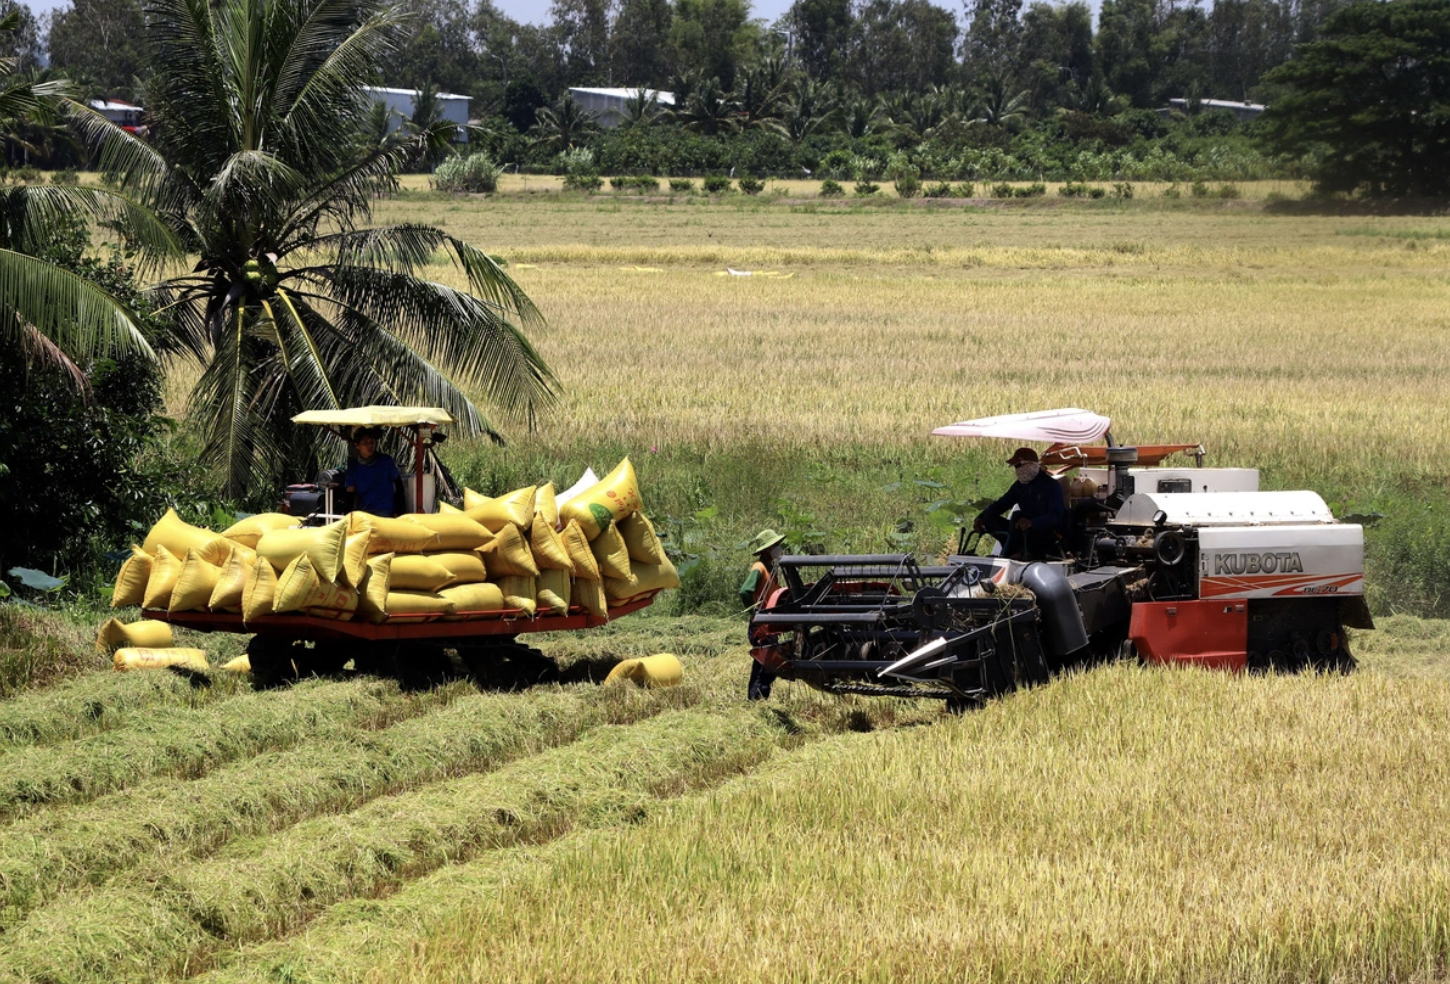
(260, 590)
(473, 601)
(248, 531)
(240, 664)
(551, 592)
(455, 531)
(177, 535)
(641, 540)
(466, 566)
(217, 551)
(445, 509)
(546, 505)
(160, 659)
(516, 508)
(611, 554)
(131, 580)
(413, 604)
(333, 601)
(589, 595)
(647, 577)
(165, 569)
(585, 566)
(231, 584)
(295, 585)
(518, 592)
(548, 550)
(147, 634)
(373, 592)
(355, 551)
(397, 536)
(614, 497)
(416, 572)
(659, 670)
(194, 585)
(508, 554)
(325, 546)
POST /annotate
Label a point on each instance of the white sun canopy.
(376, 417)
(1068, 425)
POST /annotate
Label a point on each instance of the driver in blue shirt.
(1033, 532)
(372, 478)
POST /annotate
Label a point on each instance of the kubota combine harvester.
(1188, 565)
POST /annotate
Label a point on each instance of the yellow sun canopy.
(376, 417)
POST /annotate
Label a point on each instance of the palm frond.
(38, 209)
(84, 320)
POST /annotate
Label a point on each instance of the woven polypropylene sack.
(546, 505)
(644, 577)
(147, 634)
(456, 531)
(518, 592)
(295, 585)
(641, 539)
(131, 579)
(160, 659)
(248, 531)
(194, 585)
(231, 584)
(165, 569)
(466, 566)
(177, 535)
(373, 592)
(514, 508)
(390, 535)
(548, 549)
(418, 572)
(614, 497)
(659, 670)
(473, 601)
(325, 546)
(611, 554)
(585, 566)
(260, 590)
(551, 592)
(589, 595)
(508, 554)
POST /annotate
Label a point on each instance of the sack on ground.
(231, 584)
(194, 585)
(473, 601)
(456, 531)
(390, 535)
(261, 588)
(146, 634)
(239, 664)
(131, 580)
(551, 592)
(575, 542)
(324, 545)
(508, 554)
(165, 569)
(548, 550)
(611, 554)
(466, 566)
(546, 505)
(659, 670)
(417, 572)
(614, 497)
(160, 659)
(516, 508)
(518, 592)
(641, 539)
(248, 531)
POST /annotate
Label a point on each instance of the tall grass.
(1123, 825)
(173, 920)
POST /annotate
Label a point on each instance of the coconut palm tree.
(293, 302)
(566, 126)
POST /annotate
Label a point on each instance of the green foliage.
(67, 176)
(477, 173)
(865, 189)
(750, 185)
(715, 184)
(831, 188)
(938, 190)
(681, 185)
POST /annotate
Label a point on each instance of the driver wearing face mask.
(1032, 533)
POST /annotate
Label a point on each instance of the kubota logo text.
(1257, 563)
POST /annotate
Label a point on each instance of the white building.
(400, 102)
(123, 114)
(607, 105)
(1245, 111)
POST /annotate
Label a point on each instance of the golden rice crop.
(175, 741)
(1122, 825)
(172, 920)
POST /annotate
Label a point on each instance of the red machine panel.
(1203, 633)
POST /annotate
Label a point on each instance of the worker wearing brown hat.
(754, 592)
(1033, 533)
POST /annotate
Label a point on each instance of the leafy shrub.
(831, 189)
(474, 174)
(1199, 190)
(583, 182)
(1122, 189)
(681, 184)
(620, 182)
(647, 184)
(1002, 190)
(1172, 192)
(908, 184)
(837, 164)
(865, 189)
(1229, 190)
(1073, 189)
(751, 185)
(939, 190)
(67, 177)
(965, 190)
(1097, 192)
(1034, 190)
(716, 183)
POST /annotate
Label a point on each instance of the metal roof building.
(607, 105)
(1245, 111)
(400, 102)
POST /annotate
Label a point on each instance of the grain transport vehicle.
(1176, 565)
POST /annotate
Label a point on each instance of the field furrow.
(173, 920)
(44, 856)
(99, 702)
(173, 741)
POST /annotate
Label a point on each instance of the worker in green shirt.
(754, 592)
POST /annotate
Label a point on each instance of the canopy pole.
(418, 468)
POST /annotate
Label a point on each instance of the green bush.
(1002, 190)
(583, 182)
(67, 177)
(938, 190)
(621, 183)
(1229, 190)
(1172, 191)
(1034, 190)
(1199, 190)
(474, 174)
(1122, 189)
(865, 189)
(964, 190)
(681, 185)
(716, 183)
(647, 184)
(831, 189)
(1073, 189)
(750, 185)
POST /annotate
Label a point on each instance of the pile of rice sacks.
(530, 552)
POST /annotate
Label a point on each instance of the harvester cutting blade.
(916, 657)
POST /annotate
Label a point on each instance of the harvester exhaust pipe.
(1063, 632)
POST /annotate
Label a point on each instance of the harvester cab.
(1174, 564)
(417, 428)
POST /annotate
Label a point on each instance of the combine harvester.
(514, 565)
(1187, 565)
